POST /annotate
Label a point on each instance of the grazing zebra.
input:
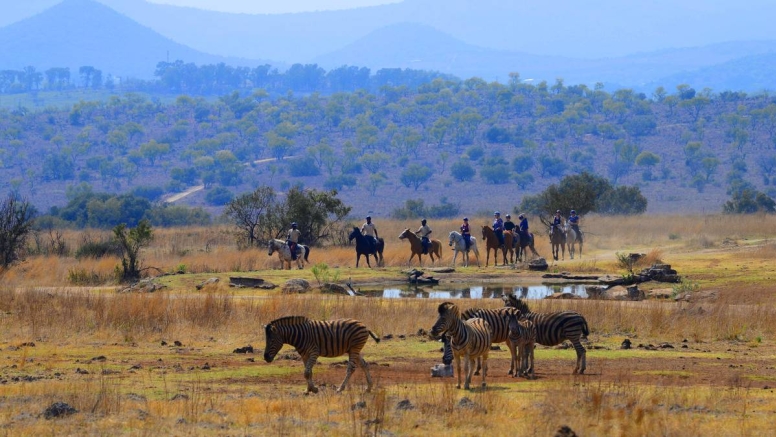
(499, 328)
(314, 338)
(522, 333)
(553, 328)
(468, 338)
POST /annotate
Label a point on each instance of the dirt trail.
(179, 196)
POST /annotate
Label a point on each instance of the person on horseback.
(294, 235)
(509, 226)
(466, 233)
(557, 221)
(498, 228)
(574, 222)
(370, 230)
(523, 228)
(423, 232)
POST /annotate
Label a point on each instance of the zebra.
(447, 351)
(522, 333)
(314, 338)
(500, 329)
(553, 328)
(469, 339)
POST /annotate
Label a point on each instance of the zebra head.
(448, 314)
(274, 342)
(510, 300)
(512, 319)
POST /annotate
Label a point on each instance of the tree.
(495, 170)
(16, 220)
(749, 201)
(315, 212)
(647, 160)
(462, 171)
(131, 241)
(415, 175)
(248, 213)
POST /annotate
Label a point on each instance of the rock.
(442, 270)
(241, 281)
(661, 273)
(297, 285)
(660, 293)
(442, 371)
(405, 405)
(538, 264)
(210, 281)
(143, 286)
(565, 431)
(58, 409)
(619, 292)
(334, 289)
(626, 344)
(243, 350)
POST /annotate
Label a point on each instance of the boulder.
(297, 285)
(538, 264)
(563, 296)
(205, 283)
(617, 292)
(241, 281)
(143, 286)
(660, 293)
(334, 289)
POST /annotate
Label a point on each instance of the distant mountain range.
(485, 38)
(76, 33)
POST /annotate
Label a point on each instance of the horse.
(284, 253)
(417, 247)
(460, 246)
(366, 247)
(558, 241)
(571, 240)
(491, 242)
(522, 244)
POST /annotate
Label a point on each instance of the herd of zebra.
(466, 335)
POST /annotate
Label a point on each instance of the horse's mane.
(510, 300)
(289, 321)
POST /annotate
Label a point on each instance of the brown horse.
(417, 247)
(491, 242)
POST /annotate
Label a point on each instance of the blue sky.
(273, 6)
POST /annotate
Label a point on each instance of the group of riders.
(368, 229)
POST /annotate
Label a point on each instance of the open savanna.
(113, 355)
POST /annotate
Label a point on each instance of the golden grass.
(170, 393)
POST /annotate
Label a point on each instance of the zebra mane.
(510, 300)
(288, 321)
(446, 307)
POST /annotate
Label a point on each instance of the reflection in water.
(452, 291)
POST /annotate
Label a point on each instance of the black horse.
(366, 246)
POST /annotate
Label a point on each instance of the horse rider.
(557, 221)
(368, 229)
(466, 233)
(509, 226)
(574, 222)
(294, 235)
(423, 232)
(498, 228)
(523, 228)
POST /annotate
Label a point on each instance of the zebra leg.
(484, 370)
(479, 366)
(513, 354)
(529, 349)
(352, 360)
(308, 373)
(581, 357)
(365, 366)
(469, 368)
(458, 368)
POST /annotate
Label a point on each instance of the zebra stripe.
(447, 351)
(320, 338)
(553, 328)
(500, 329)
(468, 338)
(522, 333)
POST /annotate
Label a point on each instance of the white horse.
(284, 253)
(460, 246)
(571, 240)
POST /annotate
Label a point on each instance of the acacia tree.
(131, 241)
(16, 219)
(248, 213)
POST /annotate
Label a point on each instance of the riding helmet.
(496, 213)
(508, 216)
(573, 212)
(423, 221)
(466, 219)
(369, 217)
(293, 225)
(520, 216)
(557, 212)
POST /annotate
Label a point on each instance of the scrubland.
(697, 367)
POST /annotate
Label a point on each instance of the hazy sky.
(273, 6)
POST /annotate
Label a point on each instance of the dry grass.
(143, 388)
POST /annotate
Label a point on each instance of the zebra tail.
(585, 330)
(372, 334)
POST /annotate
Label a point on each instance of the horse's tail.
(306, 253)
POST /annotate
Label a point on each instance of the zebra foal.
(553, 328)
(499, 329)
(320, 338)
(522, 333)
(469, 339)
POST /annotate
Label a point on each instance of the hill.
(76, 33)
(750, 73)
